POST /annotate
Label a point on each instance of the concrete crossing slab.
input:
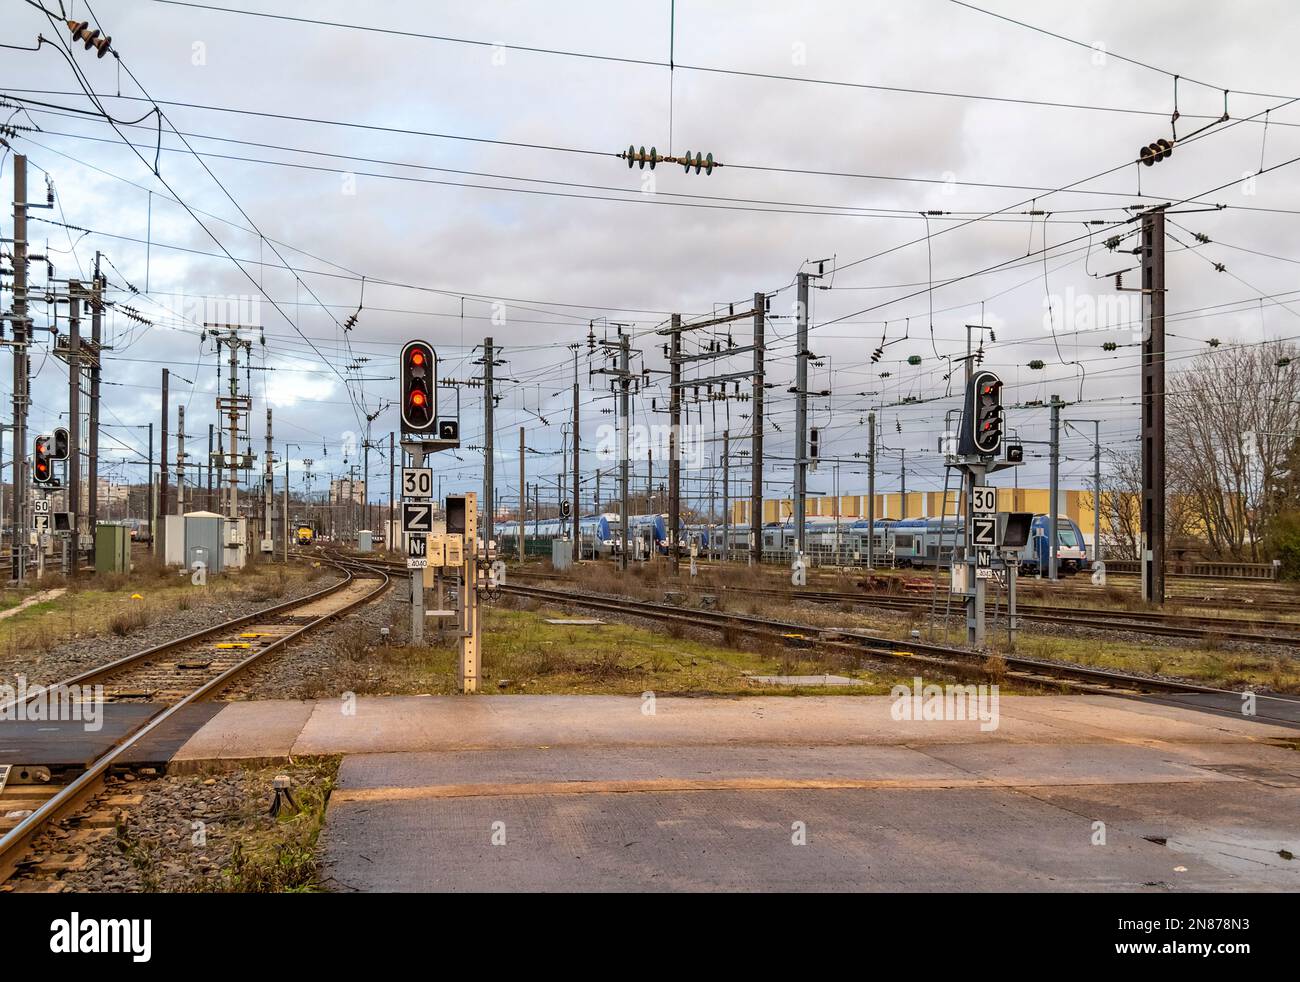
(800, 818)
(279, 728)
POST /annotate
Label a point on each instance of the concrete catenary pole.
(756, 437)
(160, 533)
(871, 490)
(21, 337)
(1054, 481)
(523, 494)
(801, 416)
(577, 460)
(1153, 406)
(92, 437)
(180, 460)
(674, 454)
(74, 421)
(624, 382)
(489, 451)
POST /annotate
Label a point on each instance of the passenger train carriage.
(926, 541)
(913, 542)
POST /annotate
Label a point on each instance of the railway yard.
(767, 701)
(422, 477)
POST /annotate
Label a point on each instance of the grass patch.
(524, 654)
(1220, 667)
(132, 619)
(278, 855)
(101, 605)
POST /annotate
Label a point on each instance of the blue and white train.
(913, 542)
(923, 542)
(593, 530)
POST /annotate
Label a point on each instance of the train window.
(902, 542)
(1066, 537)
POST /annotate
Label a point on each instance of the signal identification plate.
(984, 531)
(417, 552)
(417, 517)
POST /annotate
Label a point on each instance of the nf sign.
(417, 552)
(417, 482)
(417, 517)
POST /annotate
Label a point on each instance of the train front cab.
(1071, 551)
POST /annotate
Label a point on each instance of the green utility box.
(112, 549)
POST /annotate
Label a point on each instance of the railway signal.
(978, 444)
(60, 448)
(988, 413)
(419, 387)
(982, 416)
(43, 461)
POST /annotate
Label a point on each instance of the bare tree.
(1232, 420)
(1121, 504)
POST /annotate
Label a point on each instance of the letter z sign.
(984, 530)
(417, 517)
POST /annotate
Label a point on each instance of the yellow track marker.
(233, 644)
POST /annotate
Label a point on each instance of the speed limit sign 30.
(417, 482)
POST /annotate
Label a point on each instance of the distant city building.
(112, 495)
(343, 490)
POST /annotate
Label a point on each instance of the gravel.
(346, 656)
(183, 836)
(75, 655)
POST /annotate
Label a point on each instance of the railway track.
(173, 675)
(1028, 670)
(1156, 623)
(1032, 671)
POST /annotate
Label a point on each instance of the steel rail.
(14, 843)
(1161, 624)
(1055, 671)
(109, 668)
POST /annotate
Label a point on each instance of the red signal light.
(419, 368)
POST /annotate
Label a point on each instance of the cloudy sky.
(451, 176)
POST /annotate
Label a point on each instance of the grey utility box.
(203, 540)
(562, 553)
